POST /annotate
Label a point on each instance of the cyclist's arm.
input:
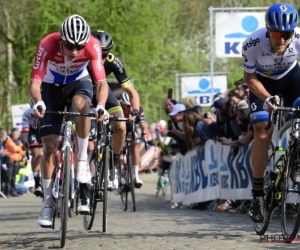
(123, 79)
(98, 71)
(256, 86)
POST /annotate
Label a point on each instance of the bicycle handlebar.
(278, 108)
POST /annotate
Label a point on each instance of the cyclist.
(112, 64)
(127, 109)
(60, 70)
(270, 67)
(33, 141)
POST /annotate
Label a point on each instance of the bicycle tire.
(289, 236)
(122, 186)
(131, 179)
(88, 220)
(105, 184)
(64, 199)
(261, 227)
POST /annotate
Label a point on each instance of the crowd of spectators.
(15, 169)
(227, 121)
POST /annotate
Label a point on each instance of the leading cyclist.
(60, 69)
(270, 68)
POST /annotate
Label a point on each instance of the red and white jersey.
(51, 66)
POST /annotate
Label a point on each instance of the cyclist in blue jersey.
(270, 68)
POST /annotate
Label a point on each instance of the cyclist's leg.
(262, 140)
(118, 138)
(49, 132)
(36, 147)
(135, 160)
(81, 102)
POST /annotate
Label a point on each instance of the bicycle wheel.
(64, 197)
(122, 186)
(290, 199)
(88, 220)
(269, 207)
(131, 182)
(105, 183)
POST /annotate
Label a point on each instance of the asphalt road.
(153, 226)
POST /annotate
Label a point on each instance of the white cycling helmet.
(75, 30)
(125, 98)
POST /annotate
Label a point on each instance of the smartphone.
(170, 123)
(170, 93)
(205, 115)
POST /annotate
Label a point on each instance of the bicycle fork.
(59, 176)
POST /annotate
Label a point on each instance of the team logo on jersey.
(252, 42)
(266, 53)
(244, 58)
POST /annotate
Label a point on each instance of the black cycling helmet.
(104, 38)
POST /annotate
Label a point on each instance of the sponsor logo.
(252, 42)
(99, 57)
(38, 57)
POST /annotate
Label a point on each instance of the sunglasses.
(70, 46)
(277, 35)
(127, 106)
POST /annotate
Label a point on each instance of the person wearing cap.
(243, 117)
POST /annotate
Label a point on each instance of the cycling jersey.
(28, 121)
(113, 64)
(51, 66)
(258, 56)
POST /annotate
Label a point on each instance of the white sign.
(200, 88)
(17, 113)
(233, 28)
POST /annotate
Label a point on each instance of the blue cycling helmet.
(281, 17)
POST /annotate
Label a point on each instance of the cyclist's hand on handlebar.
(134, 115)
(105, 115)
(38, 110)
(269, 103)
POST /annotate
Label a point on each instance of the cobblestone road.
(154, 226)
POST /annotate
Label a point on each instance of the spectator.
(23, 173)
(13, 157)
(196, 132)
(243, 116)
(15, 136)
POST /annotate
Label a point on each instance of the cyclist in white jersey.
(270, 68)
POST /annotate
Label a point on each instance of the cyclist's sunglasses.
(70, 46)
(277, 35)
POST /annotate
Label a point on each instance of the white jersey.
(258, 56)
(28, 120)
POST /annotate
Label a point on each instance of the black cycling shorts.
(112, 105)
(288, 87)
(55, 97)
(34, 140)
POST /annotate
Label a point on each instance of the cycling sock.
(82, 149)
(84, 191)
(257, 187)
(37, 178)
(116, 156)
(136, 170)
(47, 188)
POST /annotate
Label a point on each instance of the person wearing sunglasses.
(113, 64)
(270, 68)
(60, 73)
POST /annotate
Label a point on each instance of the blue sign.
(204, 91)
(249, 24)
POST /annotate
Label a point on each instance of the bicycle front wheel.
(64, 196)
(105, 184)
(131, 185)
(290, 198)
